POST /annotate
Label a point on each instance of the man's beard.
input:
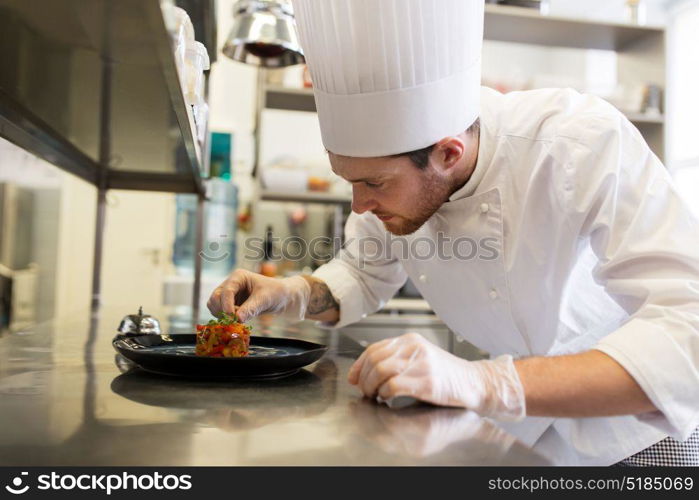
(434, 195)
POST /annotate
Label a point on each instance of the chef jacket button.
(422, 278)
(493, 294)
(484, 208)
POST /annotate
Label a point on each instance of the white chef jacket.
(583, 243)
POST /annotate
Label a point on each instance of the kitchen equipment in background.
(636, 12)
(196, 62)
(201, 120)
(16, 221)
(268, 267)
(297, 216)
(245, 218)
(220, 220)
(5, 297)
(542, 6)
(19, 271)
(191, 60)
(220, 217)
(221, 154)
(263, 34)
(24, 297)
(220, 227)
(319, 184)
(181, 30)
(285, 175)
(628, 97)
(139, 324)
(185, 234)
(652, 102)
(307, 82)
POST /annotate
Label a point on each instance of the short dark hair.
(421, 157)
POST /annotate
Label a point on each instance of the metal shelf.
(308, 197)
(643, 119)
(640, 48)
(402, 304)
(289, 99)
(520, 25)
(92, 87)
(292, 99)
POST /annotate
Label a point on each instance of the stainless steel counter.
(65, 401)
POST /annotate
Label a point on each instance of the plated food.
(225, 337)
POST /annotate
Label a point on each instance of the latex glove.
(410, 365)
(248, 294)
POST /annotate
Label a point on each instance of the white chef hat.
(392, 76)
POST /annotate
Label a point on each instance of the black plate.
(174, 355)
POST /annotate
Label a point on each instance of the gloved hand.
(248, 294)
(410, 365)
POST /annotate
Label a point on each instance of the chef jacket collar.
(481, 166)
(485, 154)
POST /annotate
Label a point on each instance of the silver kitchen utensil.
(139, 324)
(263, 34)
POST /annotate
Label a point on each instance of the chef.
(538, 225)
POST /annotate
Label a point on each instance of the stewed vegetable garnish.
(225, 337)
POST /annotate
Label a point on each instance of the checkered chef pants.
(668, 452)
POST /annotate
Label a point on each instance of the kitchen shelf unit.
(522, 25)
(290, 99)
(640, 50)
(300, 100)
(640, 54)
(92, 87)
(308, 197)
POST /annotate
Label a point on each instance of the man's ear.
(449, 151)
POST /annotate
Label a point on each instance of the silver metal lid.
(139, 324)
(263, 34)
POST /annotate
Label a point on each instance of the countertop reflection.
(68, 399)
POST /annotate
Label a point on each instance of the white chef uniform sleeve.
(647, 243)
(363, 276)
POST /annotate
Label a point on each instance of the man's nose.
(361, 202)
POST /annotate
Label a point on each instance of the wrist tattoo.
(321, 298)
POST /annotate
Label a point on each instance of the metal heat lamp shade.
(263, 34)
